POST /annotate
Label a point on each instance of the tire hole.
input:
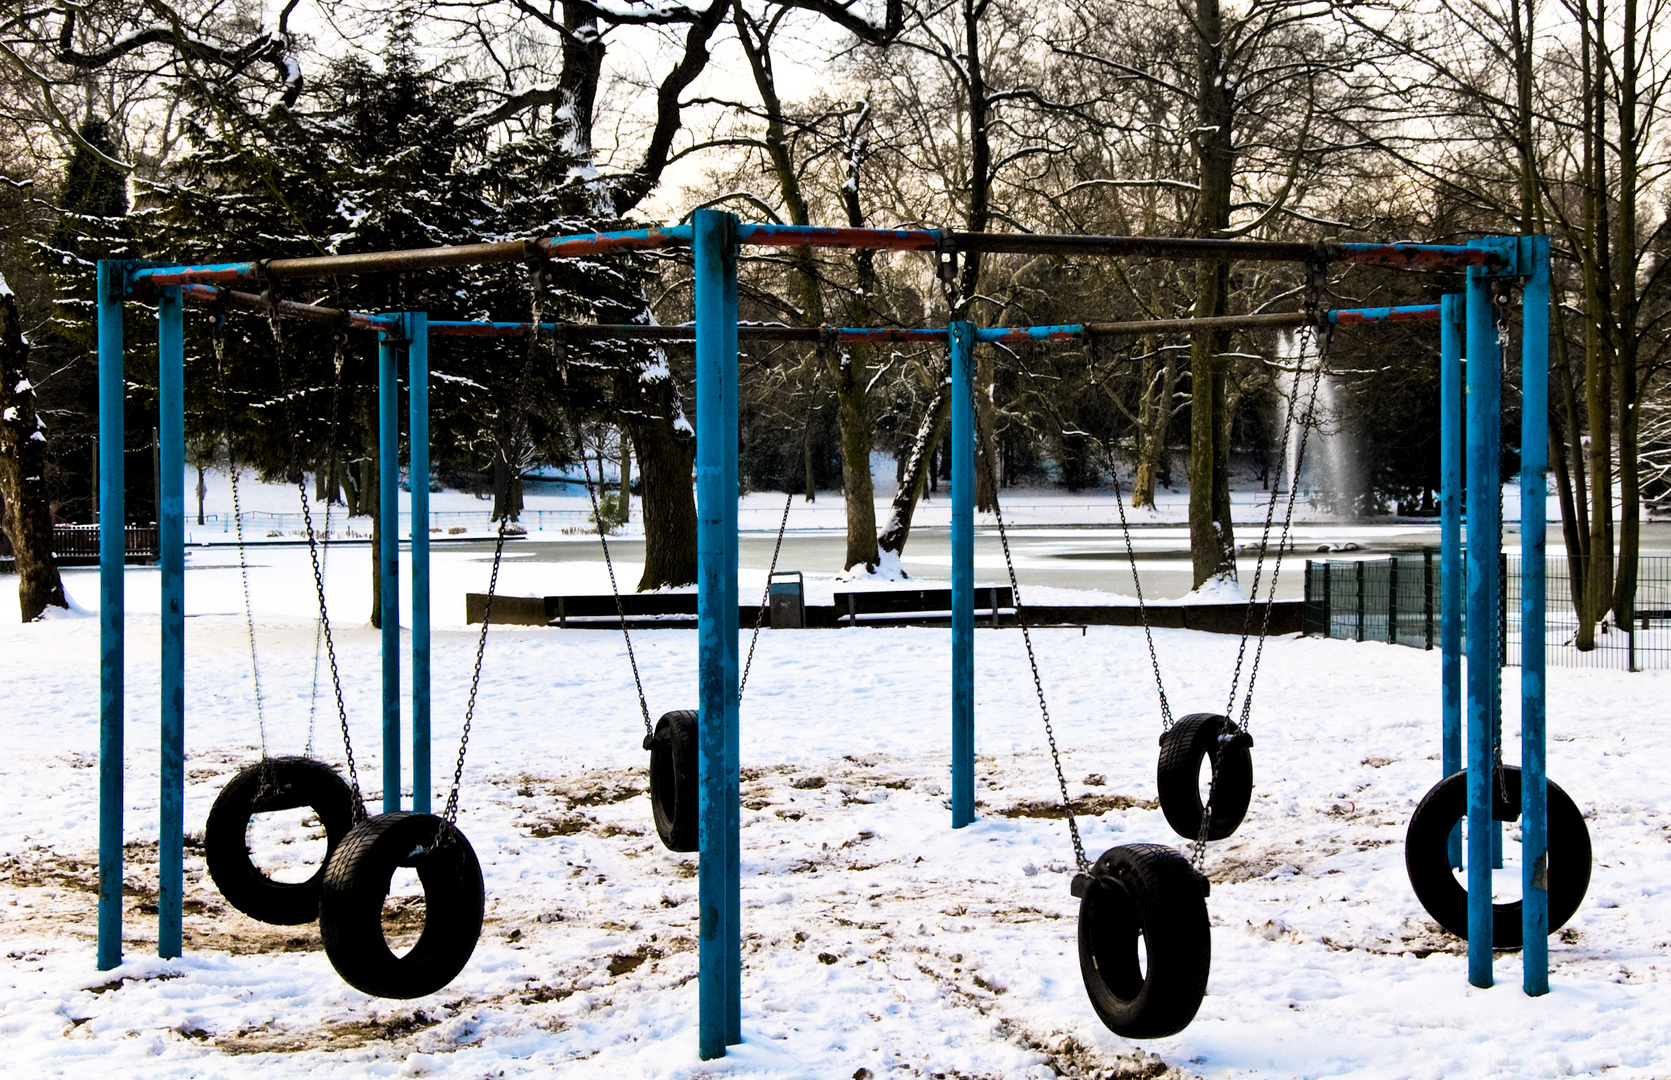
(287, 846)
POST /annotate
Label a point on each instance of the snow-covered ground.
(879, 942)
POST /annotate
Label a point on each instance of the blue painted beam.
(719, 952)
(171, 543)
(963, 573)
(417, 380)
(1485, 540)
(1450, 547)
(388, 555)
(1534, 469)
(112, 600)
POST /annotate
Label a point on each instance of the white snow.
(877, 938)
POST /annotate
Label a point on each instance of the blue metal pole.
(1534, 466)
(112, 563)
(1450, 546)
(171, 543)
(388, 555)
(719, 951)
(962, 337)
(1485, 541)
(417, 378)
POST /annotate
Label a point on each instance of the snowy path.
(879, 942)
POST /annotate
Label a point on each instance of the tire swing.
(1223, 744)
(359, 874)
(671, 741)
(274, 783)
(1135, 896)
(1427, 856)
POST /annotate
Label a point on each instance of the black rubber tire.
(1446, 899)
(282, 783)
(673, 788)
(1181, 749)
(356, 883)
(1147, 891)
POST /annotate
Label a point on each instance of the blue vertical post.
(417, 379)
(1485, 541)
(112, 597)
(388, 556)
(171, 543)
(1534, 466)
(962, 341)
(719, 942)
(1450, 547)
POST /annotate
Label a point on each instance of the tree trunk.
(507, 490)
(1212, 541)
(202, 490)
(1625, 300)
(666, 457)
(625, 511)
(857, 488)
(911, 483)
(849, 366)
(27, 515)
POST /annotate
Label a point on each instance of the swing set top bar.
(668, 236)
(243, 301)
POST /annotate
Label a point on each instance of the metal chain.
(217, 339)
(615, 590)
(249, 610)
(1307, 423)
(765, 596)
(536, 287)
(1320, 341)
(1083, 864)
(314, 559)
(1166, 720)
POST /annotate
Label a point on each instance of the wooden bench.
(671, 611)
(895, 607)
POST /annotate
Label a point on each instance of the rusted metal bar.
(287, 309)
(388, 262)
(656, 237)
(1362, 316)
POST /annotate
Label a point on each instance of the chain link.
(1083, 864)
(615, 590)
(316, 562)
(516, 436)
(765, 596)
(1142, 608)
(1320, 340)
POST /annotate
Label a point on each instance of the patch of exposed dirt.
(1084, 806)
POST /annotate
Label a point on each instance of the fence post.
(1392, 600)
(1310, 618)
(1427, 599)
(1358, 569)
(1328, 599)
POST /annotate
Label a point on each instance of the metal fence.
(1397, 600)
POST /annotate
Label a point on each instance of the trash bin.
(788, 599)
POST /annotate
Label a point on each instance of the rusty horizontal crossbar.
(244, 301)
(756, 235)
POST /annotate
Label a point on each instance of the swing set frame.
(715, 239)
